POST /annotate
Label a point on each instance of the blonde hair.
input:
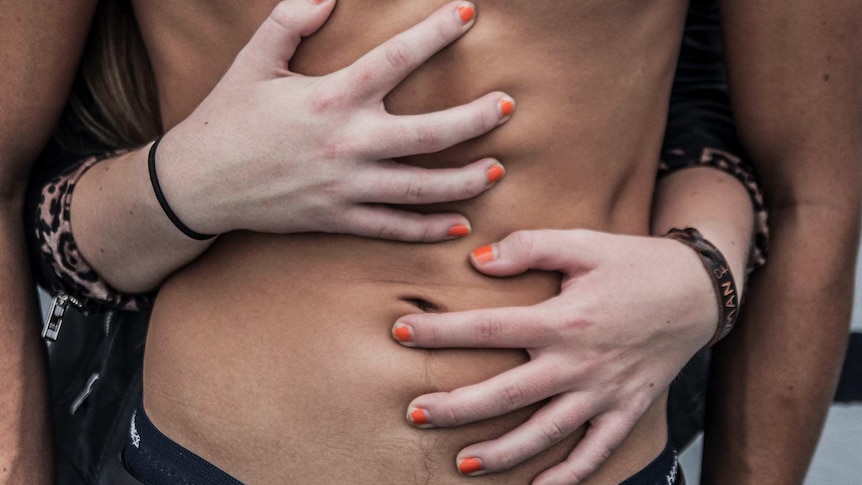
(114, 101)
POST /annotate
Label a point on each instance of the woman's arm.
(218, 176)
(796, 82)
(631, 312)
(664, 306)
(39, 44)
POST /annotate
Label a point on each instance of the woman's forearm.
(713, 202)
(122, 231)
(287, 175)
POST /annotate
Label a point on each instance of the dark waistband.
(664, 470)
(155, 459)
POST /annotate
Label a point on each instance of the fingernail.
(495, 173)
(419, 417)
(459, 230)
(507, 106)
(470, 466)
(485, 254)
(402, 332)
(466, 13)
(318, 2)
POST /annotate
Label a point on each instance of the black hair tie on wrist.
(151, 163)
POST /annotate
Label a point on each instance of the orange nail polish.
(495, 173)
(466, 13)
(419, 417)
(459, 230)
(485, 254)
(507, 107)
(469, 465)
(402, 333)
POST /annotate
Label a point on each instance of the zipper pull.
(54, 319)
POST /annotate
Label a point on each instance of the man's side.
(40, 43)
(796, 84)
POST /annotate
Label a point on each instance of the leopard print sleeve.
(62, 267)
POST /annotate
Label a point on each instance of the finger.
(514, 389)
(499, 328)
(379, 71)
(402, 136)
(605, 435)
(380, 222)
(396, 183)
(555, 422)
(569, 251)
(276, 40)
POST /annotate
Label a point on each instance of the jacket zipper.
(54, 319)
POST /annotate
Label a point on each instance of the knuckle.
(576, 320)
(524, 241)
(427, 233)
(282, 15)
(432, 334)
(617, 437)
(427, 138)
(385, 230)
(442, 33)
(603, 453)
(552, 433)
(337, 148)
(348, 145)
(358, 77)
(325, 98)
(399, 55)
(489, 330)
(452, 415)
(414, 190)
(513, 395)
(505, 460)
(481, 122)
(573, 477)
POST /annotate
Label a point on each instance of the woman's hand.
(631, 313)
(273, 151)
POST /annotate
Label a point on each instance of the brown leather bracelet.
(719, 273)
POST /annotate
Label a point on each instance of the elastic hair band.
(719, 273)
(151, 163)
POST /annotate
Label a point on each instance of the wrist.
(162, 200)
(699, 309)
(736, 251)
(187, 186)
(719, 272)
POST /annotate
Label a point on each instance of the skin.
(788, 440)
(170, 397)
(796, 78)
(39, 48)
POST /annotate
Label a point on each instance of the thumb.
(275, 42)
(548, 250)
